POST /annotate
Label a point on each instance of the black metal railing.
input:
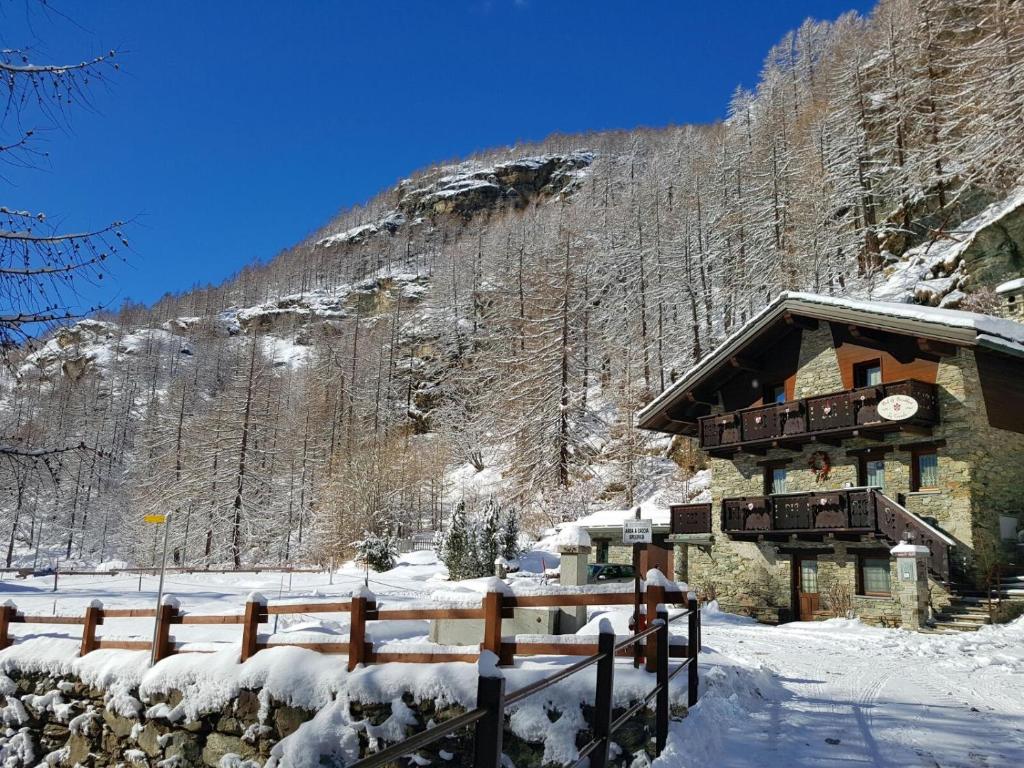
(832, 414)
(488, 716)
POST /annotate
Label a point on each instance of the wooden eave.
(676, 409)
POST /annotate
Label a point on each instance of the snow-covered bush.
(377, 551)
(471, 543)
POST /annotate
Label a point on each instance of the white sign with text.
(637, 531)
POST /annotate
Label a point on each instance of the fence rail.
(494, 606)
(652, 643)
(488, 716)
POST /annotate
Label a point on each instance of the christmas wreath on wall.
(821, 464)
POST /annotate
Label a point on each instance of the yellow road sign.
(155, 518)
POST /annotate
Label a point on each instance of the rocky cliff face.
(472, 188)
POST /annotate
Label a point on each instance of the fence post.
(492, 623)
(603, 696)
(93, 618)
(166, 613)
(655, 597)
(7, 614)
(490, 696)
(661, 711)
(357, 630)
(692, 651)
(255, 612)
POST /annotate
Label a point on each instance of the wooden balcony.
(844, 513)
(690, 519)
(824, 418)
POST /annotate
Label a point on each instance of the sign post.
(639, 533)
(163, 520)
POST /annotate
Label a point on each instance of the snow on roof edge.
(999, 332)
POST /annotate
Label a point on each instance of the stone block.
(525, 621)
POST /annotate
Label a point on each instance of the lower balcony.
(846, 512)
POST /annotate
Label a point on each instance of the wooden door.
(805, 575)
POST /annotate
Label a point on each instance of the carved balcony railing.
(839, 414)
(847, 511)
(690, 518)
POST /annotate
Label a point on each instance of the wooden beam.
(865, 434)
(693, 397)
(914, 429)
(870, 451)
(804, 323)
(775, 462)
(933, 347)
(833, 441)
(865, 334)
(744, 363)
(922, 444)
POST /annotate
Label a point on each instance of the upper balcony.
(824, 418)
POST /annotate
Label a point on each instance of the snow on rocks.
(932, 270)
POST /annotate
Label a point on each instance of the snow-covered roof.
(651, 510)
(948, 325)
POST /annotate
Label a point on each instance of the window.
(873, 575)
(602, 550)
(867, 374)
(924, 469)
(775, 393)
(871, 471)
(809, 576)
(774, 480)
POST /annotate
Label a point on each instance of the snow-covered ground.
(840, 693)
(806, 694)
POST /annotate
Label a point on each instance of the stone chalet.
(837, 428)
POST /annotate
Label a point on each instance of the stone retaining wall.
(64, 722)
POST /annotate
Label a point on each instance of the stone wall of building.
(980, 471)
(818, 369)
(997, 486)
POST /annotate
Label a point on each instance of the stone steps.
(963, 618)
(957, 626)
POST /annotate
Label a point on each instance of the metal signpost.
(163, 520)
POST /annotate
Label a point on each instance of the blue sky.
(236, 128)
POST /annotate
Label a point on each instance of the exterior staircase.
(968, 609)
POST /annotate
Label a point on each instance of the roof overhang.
(963, 329)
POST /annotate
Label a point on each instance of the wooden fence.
(494, 606)
(649, 643)
(488, 716)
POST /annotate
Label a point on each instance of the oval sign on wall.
(897, 407)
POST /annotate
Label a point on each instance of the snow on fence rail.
(488, 716)
(362, 608)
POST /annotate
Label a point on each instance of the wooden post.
(655, 597)
(692, 651)
(603, 696)
(492, 623)
(93, 618)
(357, 632)
(7, 614)
(165, 615)
(661, 711)
(255, 612)
(490, 696)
